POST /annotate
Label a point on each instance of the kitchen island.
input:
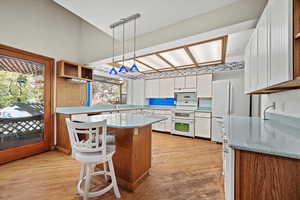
(132, 159)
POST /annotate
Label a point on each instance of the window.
(104, 93)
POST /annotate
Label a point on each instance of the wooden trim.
(166, 61)
(189, 53)
(48, 142)
(224, 48)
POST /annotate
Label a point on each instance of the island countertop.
(124, 120)
(278, 136)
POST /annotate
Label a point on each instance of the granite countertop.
(109, 108)
(124, 120)
(278, 136)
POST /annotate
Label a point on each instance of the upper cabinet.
(190, 81)
(204, 86)
(159, 88)
(166, 88)
(152, 88)
(281, 41)
(180, 82)
(269, 53)
(185, 82)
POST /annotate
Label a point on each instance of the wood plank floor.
(182, 169)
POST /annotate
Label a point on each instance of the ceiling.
(155, 13)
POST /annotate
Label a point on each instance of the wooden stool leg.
(87, 182)
(113, 178)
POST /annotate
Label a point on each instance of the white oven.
(183, 123)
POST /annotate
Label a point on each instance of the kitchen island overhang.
(133, 131)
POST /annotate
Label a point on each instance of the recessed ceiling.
(198, 54)
(155, 13)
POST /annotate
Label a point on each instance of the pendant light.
(113, 71)
(123, 69)
(134, 68)
(122, 22)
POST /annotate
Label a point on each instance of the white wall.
(286, 102)
(40, 26)
(46, 28)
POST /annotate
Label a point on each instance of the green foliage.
(18, 88)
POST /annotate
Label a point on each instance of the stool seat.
(94, 157)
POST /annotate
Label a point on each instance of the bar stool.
(90, 152)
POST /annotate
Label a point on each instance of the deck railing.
(21, 127)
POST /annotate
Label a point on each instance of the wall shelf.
(66, 69)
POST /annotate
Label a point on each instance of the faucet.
(267, 108)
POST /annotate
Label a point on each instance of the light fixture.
(113, 71)
(122, 22)
(123, 69)
(134, 68)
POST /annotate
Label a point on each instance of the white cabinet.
(204, 86)
(247, 69)
(269, 53)
(166, 88)
(190, 81)
(203, 125)
(152, 88)
(185, 82)
(263, 37)
(180, 82)
(281, 41)
(253, 61)
(165, 125)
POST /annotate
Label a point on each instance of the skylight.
(207, 52)
(177, 57)
(154, 61)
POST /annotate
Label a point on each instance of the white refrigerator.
(228, 99)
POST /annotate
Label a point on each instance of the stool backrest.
(86, 137)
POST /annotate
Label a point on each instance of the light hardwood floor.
(182, 169)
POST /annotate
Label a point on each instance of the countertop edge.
(264, 151)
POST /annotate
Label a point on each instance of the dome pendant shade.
(134, 68)
(123, 69)
(113, 71)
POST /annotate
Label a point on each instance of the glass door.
(25, 104)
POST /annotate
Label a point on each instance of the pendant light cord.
(113, 51)
(134, 41)
(123, 43)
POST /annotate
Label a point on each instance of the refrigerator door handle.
(227, 111)
(230, 99)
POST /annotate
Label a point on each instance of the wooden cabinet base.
(266, 177)
(132, 159)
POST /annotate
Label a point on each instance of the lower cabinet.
(164, 126)
(203, 125)
(266, 177)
